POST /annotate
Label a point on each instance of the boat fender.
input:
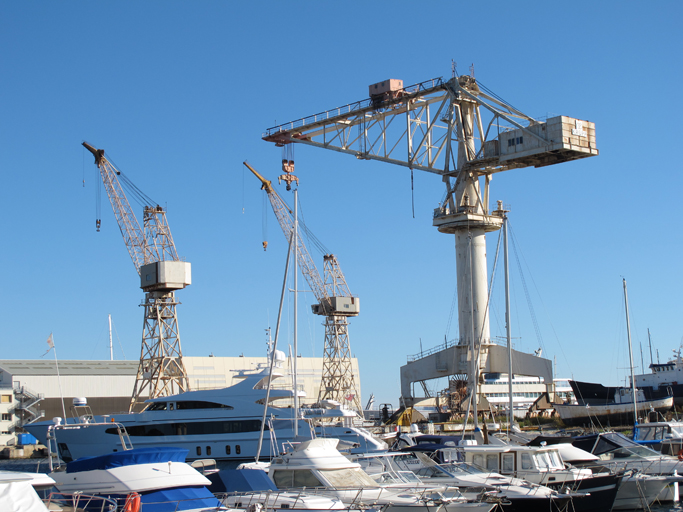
(680, 454)
(132, 503)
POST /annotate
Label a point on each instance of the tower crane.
(335, 303)
(464, 133)
(161, 371)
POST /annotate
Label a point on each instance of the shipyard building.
(32, 389)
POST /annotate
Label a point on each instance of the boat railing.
(205, 466)
(68, 502)
(278, 499)
(356, 107)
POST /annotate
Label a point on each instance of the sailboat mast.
(630, 355)
(507, 316)
(111, 346)
(649, 340)
(296, 296)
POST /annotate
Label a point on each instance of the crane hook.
(265, 245)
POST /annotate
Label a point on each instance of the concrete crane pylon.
(161, 371)
(335, 303)
(439, 126)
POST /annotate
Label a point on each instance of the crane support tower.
(161, 371)
(463, 132)
(335, 303)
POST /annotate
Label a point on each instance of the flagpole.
(59, 381)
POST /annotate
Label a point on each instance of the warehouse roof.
(18, 367)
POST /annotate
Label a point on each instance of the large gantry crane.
(335, 303)
(161, 371)
(461, 131)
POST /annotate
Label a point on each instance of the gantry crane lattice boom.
(438, 126)
(335, 303)
(161, 371)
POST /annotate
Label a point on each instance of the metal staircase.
(26, 407)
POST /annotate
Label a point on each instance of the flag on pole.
(50, 344)
(350, 397)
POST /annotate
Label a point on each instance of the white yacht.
(223, 424)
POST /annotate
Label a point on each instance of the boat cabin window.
(478, 460)
(508, 463)
(286, 478)
(194, 428)
(650, 433)
(199, 404)
(492, 462)
(526, 461)
(156, 406)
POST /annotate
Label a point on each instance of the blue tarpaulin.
(185, 498)
(127, 458)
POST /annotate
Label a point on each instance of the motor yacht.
(224, 424)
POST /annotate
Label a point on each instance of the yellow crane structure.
(335, 303)
(161, 371)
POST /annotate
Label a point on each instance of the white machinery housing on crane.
(344, 306)
(165, 275)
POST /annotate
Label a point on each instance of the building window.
(6, 399)
(6, 416)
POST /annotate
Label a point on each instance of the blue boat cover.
(185, 498)
(240, 480)
(127, 458)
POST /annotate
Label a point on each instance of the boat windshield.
(398, 477)
(347, 478)
(600, 444)
(432, 472)
(460, 468)
(548, 460)
(637, 452)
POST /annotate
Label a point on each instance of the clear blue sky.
(178, 94)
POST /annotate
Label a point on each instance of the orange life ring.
(133, 502)
(680, 454)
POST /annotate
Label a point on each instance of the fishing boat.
(664, 379)
(611, 406)
(597, 404)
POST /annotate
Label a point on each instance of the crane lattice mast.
(161, 371)
(463, 132)
(335, 303)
